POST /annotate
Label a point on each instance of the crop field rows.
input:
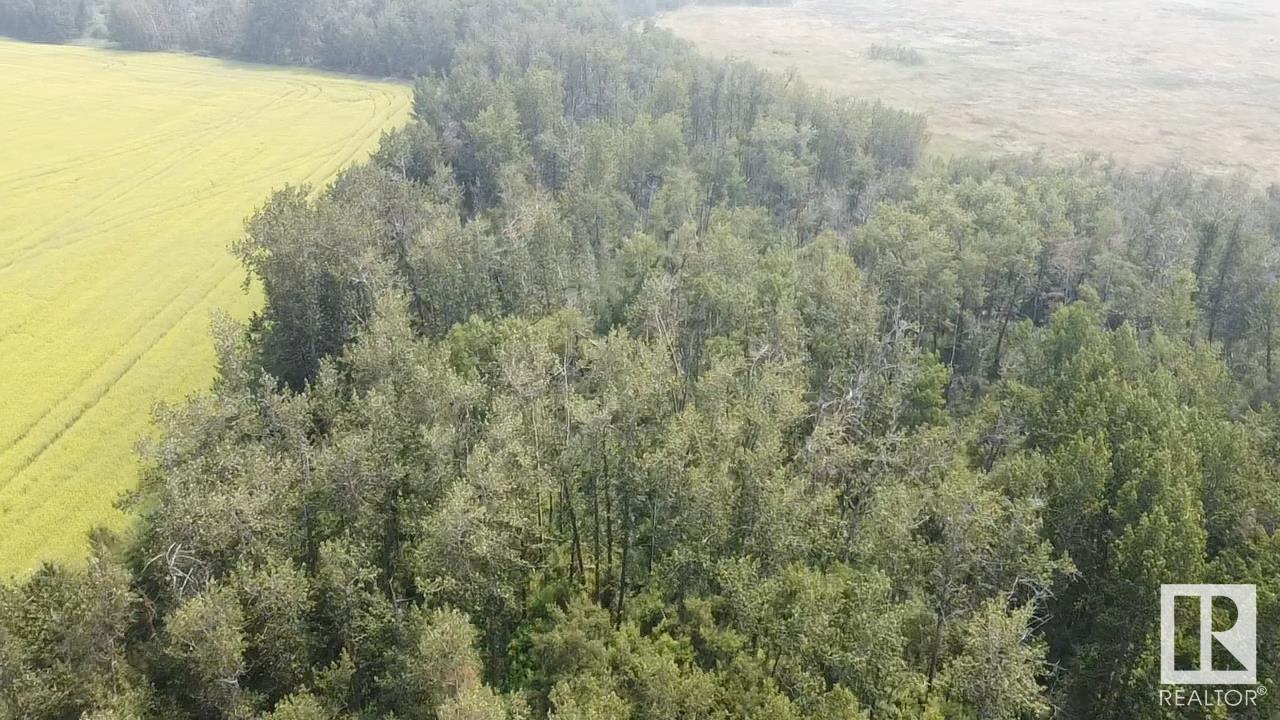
(123, 179)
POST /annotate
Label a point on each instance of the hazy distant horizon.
(1148, 81)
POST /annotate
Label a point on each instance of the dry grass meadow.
(1145, 81)
(123, 180)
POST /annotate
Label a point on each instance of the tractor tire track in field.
(31, 176)
(77, 383)
(359, 140)
(126, 221)
(120, 222)
(114, 249)
(128, 218)
(192, 144)
(182, 128)
(172, 160)
(107, 226)
(105, 387)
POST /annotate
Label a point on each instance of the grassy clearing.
(1146, 81)
(123, 179)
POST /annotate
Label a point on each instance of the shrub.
(901, 54)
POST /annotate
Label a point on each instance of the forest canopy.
(627, 384)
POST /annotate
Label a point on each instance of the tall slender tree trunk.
(608, 524)
(595, 536)
(994, 372)
(1269, 345)
(959, 331)
(622, 568)
(1219, 290)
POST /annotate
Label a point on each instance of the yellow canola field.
(124, 178)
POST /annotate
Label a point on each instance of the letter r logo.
(1241, 639)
